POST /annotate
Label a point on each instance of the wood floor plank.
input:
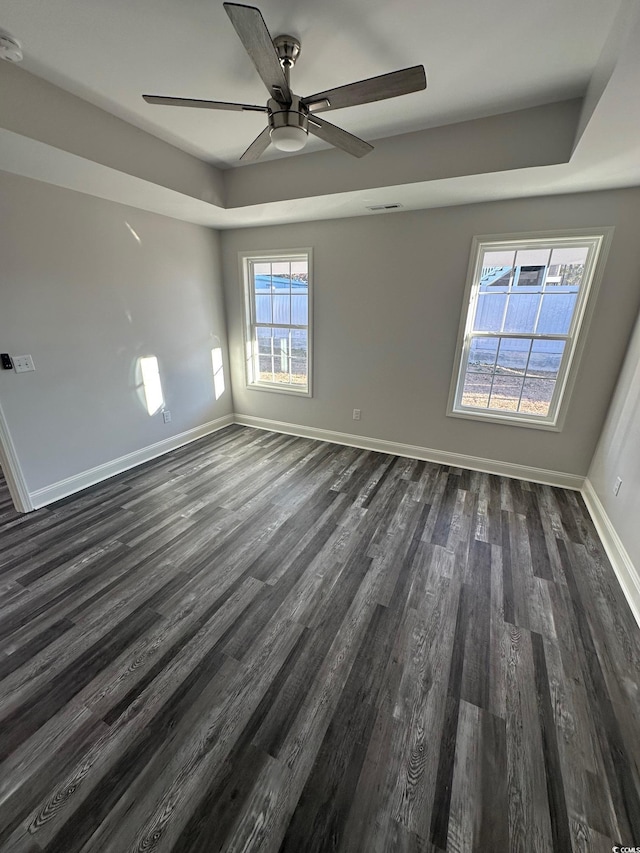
(529, 816)
(558, 815)
(479, 806)
(260, 642)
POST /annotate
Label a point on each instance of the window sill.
(506, 419)
(279, 389)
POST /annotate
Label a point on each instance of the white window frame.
(598, 240)
(247, 259)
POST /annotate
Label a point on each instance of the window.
(277, 291)
(526, 300)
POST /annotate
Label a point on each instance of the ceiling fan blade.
(254, 35)
(338, 137)
(207, 105)
(374, 89)
(257, 147)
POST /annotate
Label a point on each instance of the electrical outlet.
(616, 487)
(166, 416)
(356, 414)
(23, 363)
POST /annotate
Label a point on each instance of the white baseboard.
(458, 460)
(626, 572)
(64, 488)
(70, 485)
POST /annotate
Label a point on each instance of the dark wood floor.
(266, 643)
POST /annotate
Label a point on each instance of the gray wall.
(86, 299)
(388, 300)
(618, 455)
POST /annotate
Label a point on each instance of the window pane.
(536, 396)
(570, 255)
(265, 340)
(482, 355)
(522, 311)
(263, 308)
(505, 393)
(572, 275)
(531, 257)
(262, 269)
(281, 308)
(545, 359)
(299, 371)
(556, 313)
(476, 390)
(265, 368)
(299, 309)
(499, 258)
(489, 313)
(513, 356)
(299, 343)
(281, 268)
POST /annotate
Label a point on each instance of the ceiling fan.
(291, 118)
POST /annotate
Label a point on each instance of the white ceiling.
(432, 148)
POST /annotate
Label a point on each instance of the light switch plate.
(23, 363)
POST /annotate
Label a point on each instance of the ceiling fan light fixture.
(289, 138)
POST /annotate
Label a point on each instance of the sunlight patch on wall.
(151, 383)
(218, 372)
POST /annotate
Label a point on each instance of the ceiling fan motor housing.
(288, 125)
(294, 115)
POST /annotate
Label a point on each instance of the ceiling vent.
(384, 207)
(10, 48)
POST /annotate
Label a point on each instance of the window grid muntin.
(525, 372)
(512, 291)
(253, 325)
(593, 244)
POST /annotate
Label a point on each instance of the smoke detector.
(10, 47)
